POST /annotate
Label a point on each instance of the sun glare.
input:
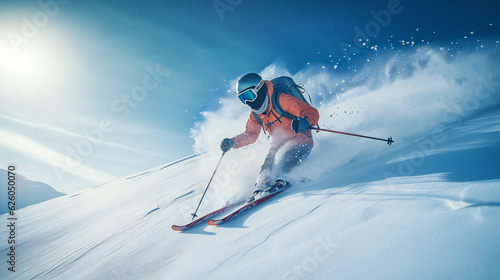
(17, 63)
(31, 67)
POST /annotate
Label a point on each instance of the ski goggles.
(249, 95)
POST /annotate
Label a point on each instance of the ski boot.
(278, 184)
(260, 188)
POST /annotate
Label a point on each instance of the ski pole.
(388, 140)
(217, 167)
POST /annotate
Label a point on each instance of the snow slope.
(28, 192)
(425, 208)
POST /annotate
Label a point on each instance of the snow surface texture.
(27, 192)
(425, 208)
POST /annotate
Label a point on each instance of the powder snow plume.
(405, 95)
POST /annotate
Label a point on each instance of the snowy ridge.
(427, 207)
(27, 192)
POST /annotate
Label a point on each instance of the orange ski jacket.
(279, 127)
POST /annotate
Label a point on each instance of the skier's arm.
(250, 135)
(298, 108)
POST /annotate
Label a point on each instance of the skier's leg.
(293, 157)
(264, 178)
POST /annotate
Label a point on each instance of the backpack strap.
(280, 86)
(259, 120)
(277, 106)
(283, 85)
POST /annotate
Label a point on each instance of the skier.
(290, 133)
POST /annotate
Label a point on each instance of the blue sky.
(95, 90)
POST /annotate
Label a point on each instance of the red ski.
(246, 207)
(204, 218)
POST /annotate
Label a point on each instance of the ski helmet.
(252, 90)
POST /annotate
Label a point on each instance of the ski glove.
(300, 125)
(227, 144)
